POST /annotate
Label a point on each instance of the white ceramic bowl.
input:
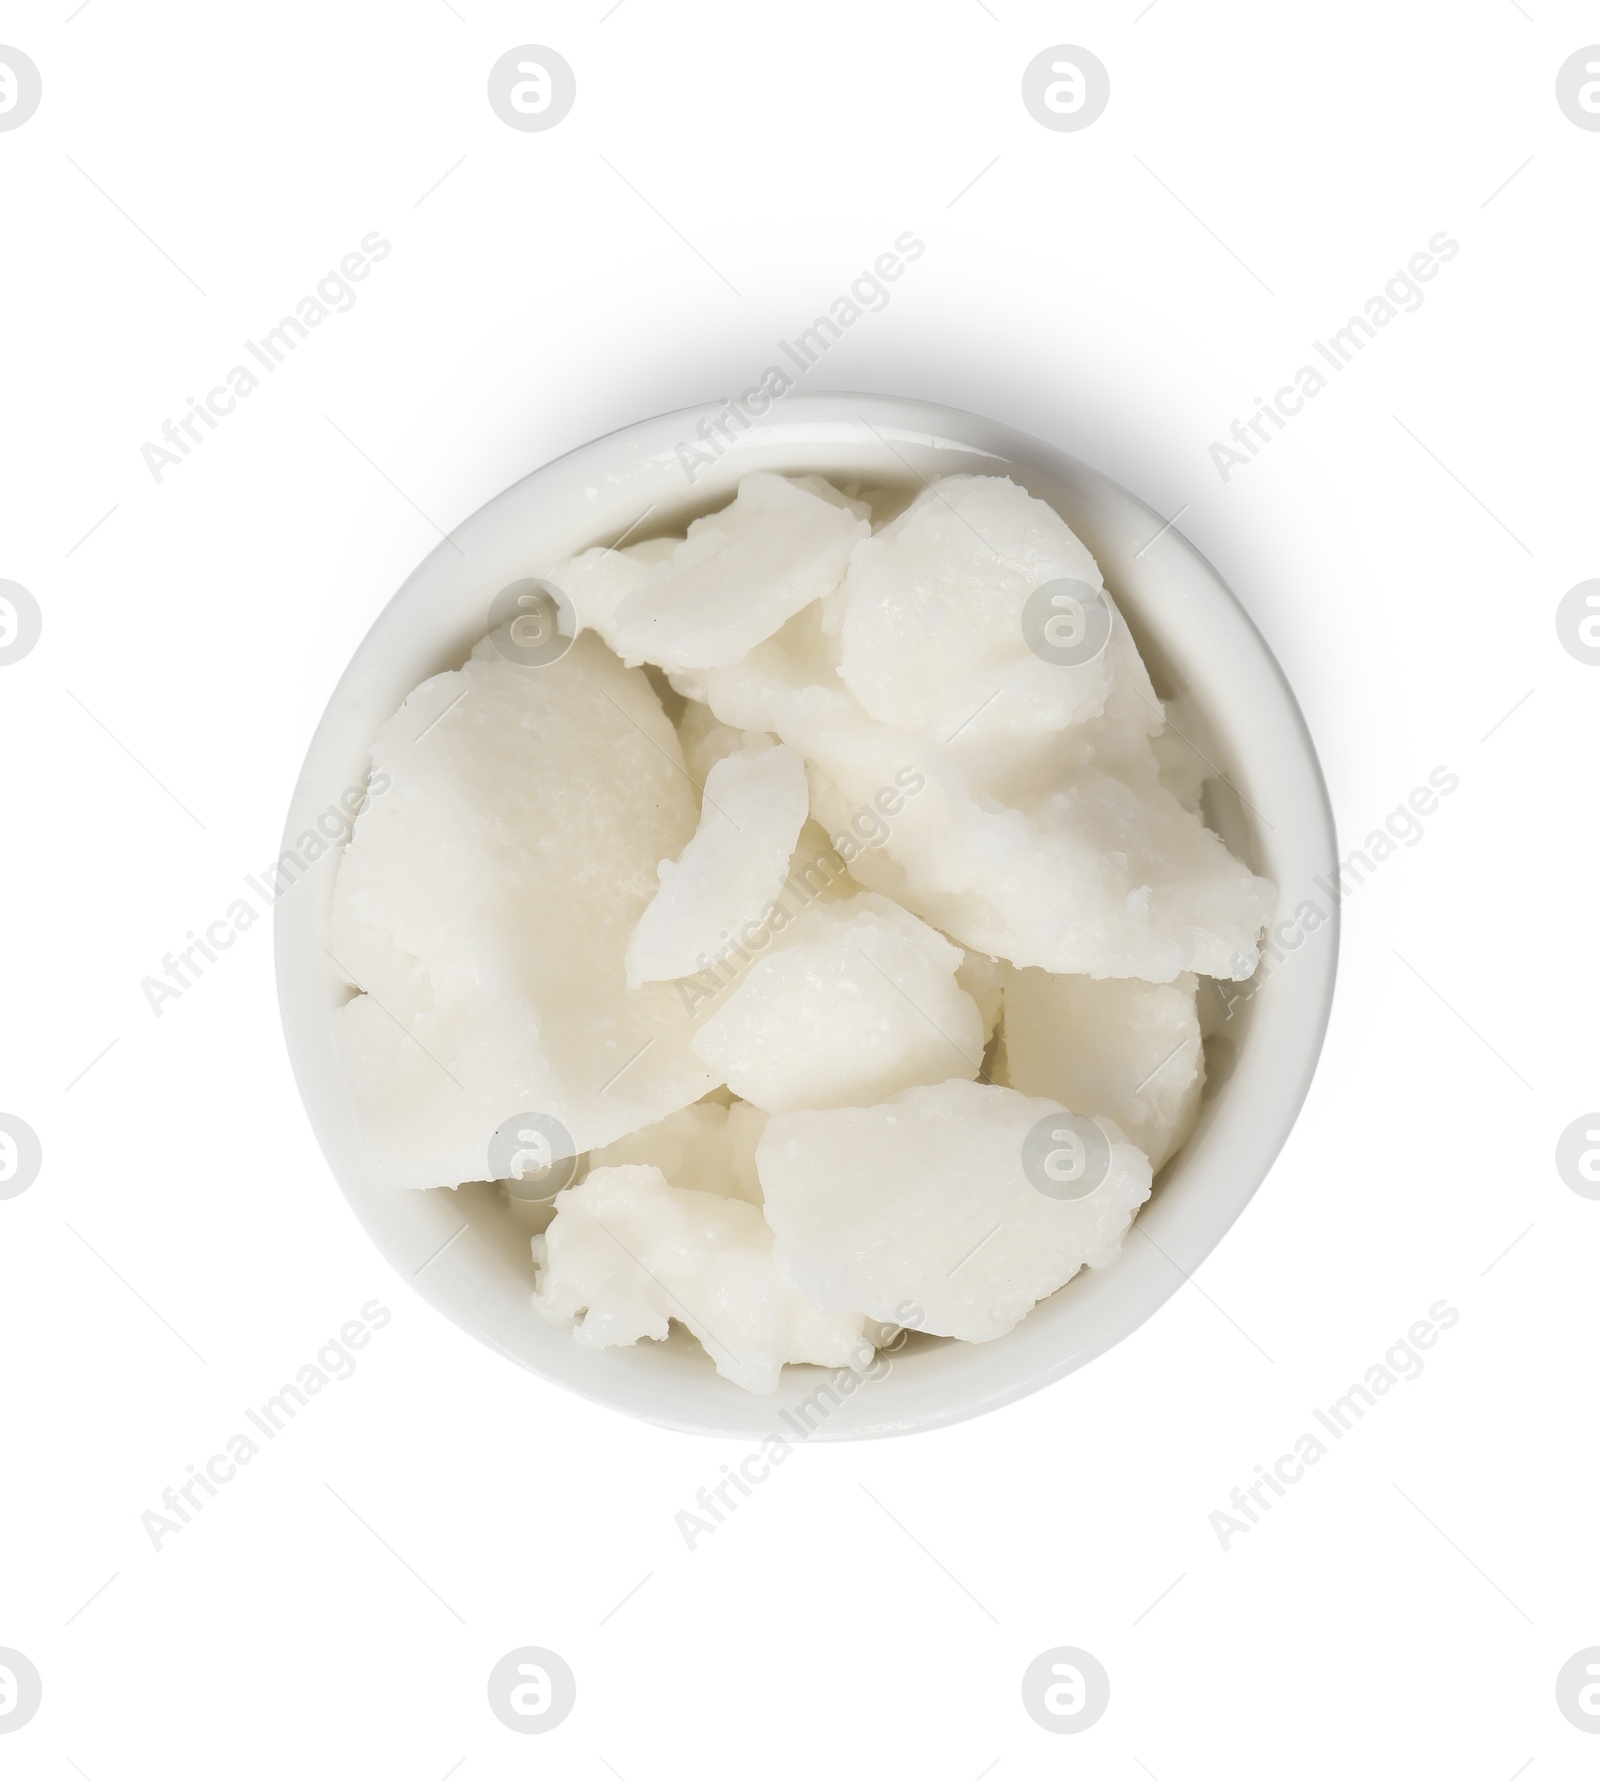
(1194, 636)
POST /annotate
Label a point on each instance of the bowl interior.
(467, 1251)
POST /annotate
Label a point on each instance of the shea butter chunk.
(626, 1254)
(931, 1198)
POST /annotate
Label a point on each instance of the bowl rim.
(1284, 1022)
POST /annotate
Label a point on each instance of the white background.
(1406, 1608)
